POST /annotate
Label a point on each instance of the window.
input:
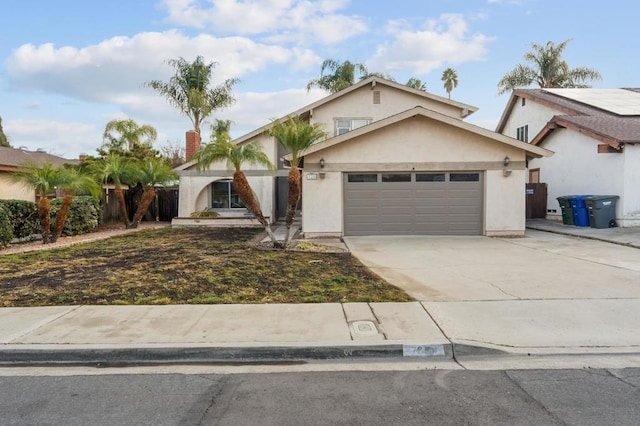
(362, 177)
(396, 177)
(344, 125)
(522, 133)
(224, 196)
(376, 97)
(429, 177)
(464, 177)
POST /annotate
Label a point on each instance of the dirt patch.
(185, 265)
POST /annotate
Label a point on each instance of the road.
(423, 397)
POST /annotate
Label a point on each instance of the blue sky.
(67, 67)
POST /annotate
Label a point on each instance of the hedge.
(6, 228)
(23, 216)
(84, 216)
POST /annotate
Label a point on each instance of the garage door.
(433, 203)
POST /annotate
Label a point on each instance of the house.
(595, 134)
(398, 161)
(10, 161)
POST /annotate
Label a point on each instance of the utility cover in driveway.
(418, 203)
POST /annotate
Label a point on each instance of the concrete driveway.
(541, 293)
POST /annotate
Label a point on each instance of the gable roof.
(531, 150)
(12, 158)
(589, 115)
(306, 111)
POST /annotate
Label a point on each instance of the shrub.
(205, 213)
(6, 228)
(84, 216)
(23, 216)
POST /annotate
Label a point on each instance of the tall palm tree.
(117, 170)
(127, 134)
(44, 178)
(189, 90)
(343, 75)
(416, 83)
(450, 79)
(548, 70)
(236, 155)
(152, 172)
(295, 136)
(72, 182)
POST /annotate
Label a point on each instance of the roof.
(465, 109)
(588, 111)
(12, 158)
(531, 150)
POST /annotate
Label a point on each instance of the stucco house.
(595, 134)
(398, 161)
(10, 161)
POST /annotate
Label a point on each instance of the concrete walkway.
(545, 294)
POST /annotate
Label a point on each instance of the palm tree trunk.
(145, 202)
(123, 206)
(293, 198)
(61, 217)
(251, 203)
(45, 220)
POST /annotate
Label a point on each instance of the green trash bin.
(602, 210)
(565, 207)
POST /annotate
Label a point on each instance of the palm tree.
(44, 178)
(127, 134)
(548, 70)
(295, 136)
(71, 182)
(221, 149)
(152, 172)
(188, 90)
(343, 75)
(118, 170)
(4, 141)
(416, 83)
(450, 79)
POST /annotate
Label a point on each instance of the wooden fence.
(164, 207)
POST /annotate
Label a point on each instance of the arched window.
(224, 196)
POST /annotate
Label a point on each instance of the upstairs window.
(522, 133)
(344, 125)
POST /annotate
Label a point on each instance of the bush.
(23, 216)
(84, 216)
(6, 228)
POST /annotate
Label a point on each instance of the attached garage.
(417, 203)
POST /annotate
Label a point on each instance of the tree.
(174, 153)
(44, 179)
(295, 136)
(221, 149)
(416, 83)
(127, 135)
(188, 90)
(72, 181)
(152, 172)
(343, 75)
(117, 169)
(450, 79)
(548, 70)
(4, 141)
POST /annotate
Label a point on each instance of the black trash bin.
(602, 210)
(565, 207)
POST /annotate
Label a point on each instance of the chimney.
(193, 143)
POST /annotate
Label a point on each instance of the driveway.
(541, 294)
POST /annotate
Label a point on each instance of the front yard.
(185, 265)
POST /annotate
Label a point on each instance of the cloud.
(445, 40)
(67, 139)
(297, 21)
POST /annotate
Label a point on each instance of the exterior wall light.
(507, 160)
(322, 163)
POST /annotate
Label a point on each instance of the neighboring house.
(595, 134)
(398, 161)
(10, 160)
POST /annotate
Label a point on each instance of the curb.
(226, 355)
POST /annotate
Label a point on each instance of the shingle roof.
(13, 157)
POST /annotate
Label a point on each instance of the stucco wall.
(631, 200)
(534, 115)
(416, 144)
(13, 191)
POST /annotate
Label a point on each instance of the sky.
(67, 67)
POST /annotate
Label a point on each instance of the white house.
(398, 161)
(595, 134)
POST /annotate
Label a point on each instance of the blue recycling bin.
(580, 211)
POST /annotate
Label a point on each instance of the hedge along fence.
(84, 216)
(6, 228)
